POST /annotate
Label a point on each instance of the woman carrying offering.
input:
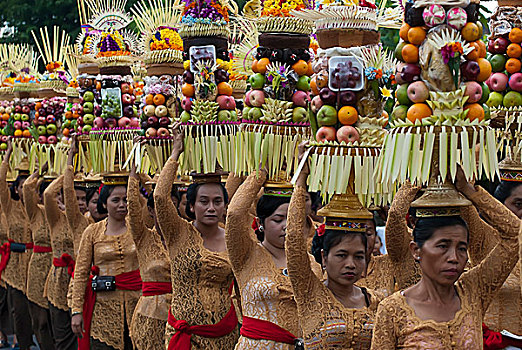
(150, 316)
(103, 303)
(444, 310)
(335, 313)
(201, 315)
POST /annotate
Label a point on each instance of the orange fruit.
(68, 115)
(225, 89)
(254, 66)
(76, 116)
(483, 50)
(418, 111)
(513, 65)
(26, 133)
(485, 69)
(514, 50)
(474, 54)
(300, 67)
(475, 111)
(348, 115)
(416, 35)
(410, 53)
(65, 132)
(98, 85)
(310, 70)
(313, 86)
(470, 32)
(6, 116)
(261, 65)
(187, 90)
(17, 133)
(403, 32)
(515, 36)
(149, 99)
(37, 105)
(159, 99)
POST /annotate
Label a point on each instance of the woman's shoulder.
(375, 297)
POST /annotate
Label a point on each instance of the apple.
(18, 109)
(86, 129)
(470, 70)
(303, 83)
(328, 96)
(52, 140)
(88, 107)
(88, 119)
(26, 125)
(185, 117)
(317, 103)
(498, 62)
(233, 115)
(327, 116)
(299, 114)
(126, 99)
(188, 77)
(152, 122)
(255, 113)
(134, 122)
(164, 122)
(24, 117)
(512, 99)
(66, 124)
(247, 98)
(410, 72)
(51, 129)
(9, 110)
(223, 115)
(257, 98)
(17, 116)
(348, 98)
(4, 138)
(515, 82)
(149, 110)
(400, 112)
(125, 88)
(257, 81)
(226, 102)
(151, 132)
(417, 92)
(26, 110)
(128, 111)
(485, 93)
(161, 111)
(221, 76)
(50, 119)
(186, 104)
(3, 146)
(300, 98)
(163, 132)
(42, 139)
(325, 133)
(402, 95)
(348, 134)
(111, 123)
(498, 82)
(124, 122)
(18, 125)
(88, 96)
(500, 45)
(473, 91)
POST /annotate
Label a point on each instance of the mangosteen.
(304, 55)
(128, 111)
(188, 77)
(414, 15)
(262, 52)
(221, 76)
(290, 56)
(276, 55)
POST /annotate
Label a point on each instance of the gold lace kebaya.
(200, 278)
(150, 316)
(325, 322)
(398, 327)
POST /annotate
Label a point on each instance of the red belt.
(181, 339)
(496, 340)
(5, 251)
(156, 288)
(254, 328)
(125, 281)
(41, 249)
(65, 261)
(29, 245)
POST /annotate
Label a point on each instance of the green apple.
(257, 81)
(255, 113)
(327, 116)
(303, 83)
(512, 99)
(485, 93)
(88, 96)
(487, 112)
(398, 50)
(495, 99)
(246, 109)
(299, 114)
(402, 95)
(185, 117)
(400, 112)
(233, 115)
(498, 62)
(223, 115)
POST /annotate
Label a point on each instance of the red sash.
(65, 261)
(254, 328)
(125, 281)
(29, 245)
(181, 339)
(41, 249)
(156, 288)
(496, 341)
(5, 251)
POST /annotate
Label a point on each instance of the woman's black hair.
(330, 239)
(43, 187)
(266, 206)
(425, 227)
(192, 194)
(105, 193)
(175, 193)
(14, 186)
(505, 189)
(90, 192)
(150, 200)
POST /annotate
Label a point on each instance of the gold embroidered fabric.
(154, 267)
(3, 239)
(266, 293)
(18, 225)
(40, 263)
(397, 269)
(58, 279)
(200, 278)
(505, 311)
(397, 326)
(325, 322)
(114, 255)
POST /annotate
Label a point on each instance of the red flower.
(255, 226)
(321, 230)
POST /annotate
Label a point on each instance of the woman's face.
(346, 261)
(370, 235)
(275, 227)
(82, 201)
(377, 247)
(443, 257)
(117, 203)
(181, 207)
(209, 207)
(514, 201)
(93, 208)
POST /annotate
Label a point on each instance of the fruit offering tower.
(209, 110)
(163, 58)
(275, 118)
(440, 120)
(7, 77)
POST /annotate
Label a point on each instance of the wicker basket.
(509, 3)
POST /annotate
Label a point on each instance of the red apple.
(126, 99)
(99, 123)
(470, 70)
(328, 96)
(317, 103)
(515, 82)
(498, 82)
(247, 98)
(418, 92)
(52, 140)
(186, 104)
(348, 134)
(50, 119)
(111, 123)
(151, 132)
(164, 122)
(42, 139)
(257, 98)
(124, 122)
(473, 91)
(300, 98)
(226, 102)
(325, 133)
(134, 123)
(163, 132)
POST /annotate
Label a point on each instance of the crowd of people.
(141, 264)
